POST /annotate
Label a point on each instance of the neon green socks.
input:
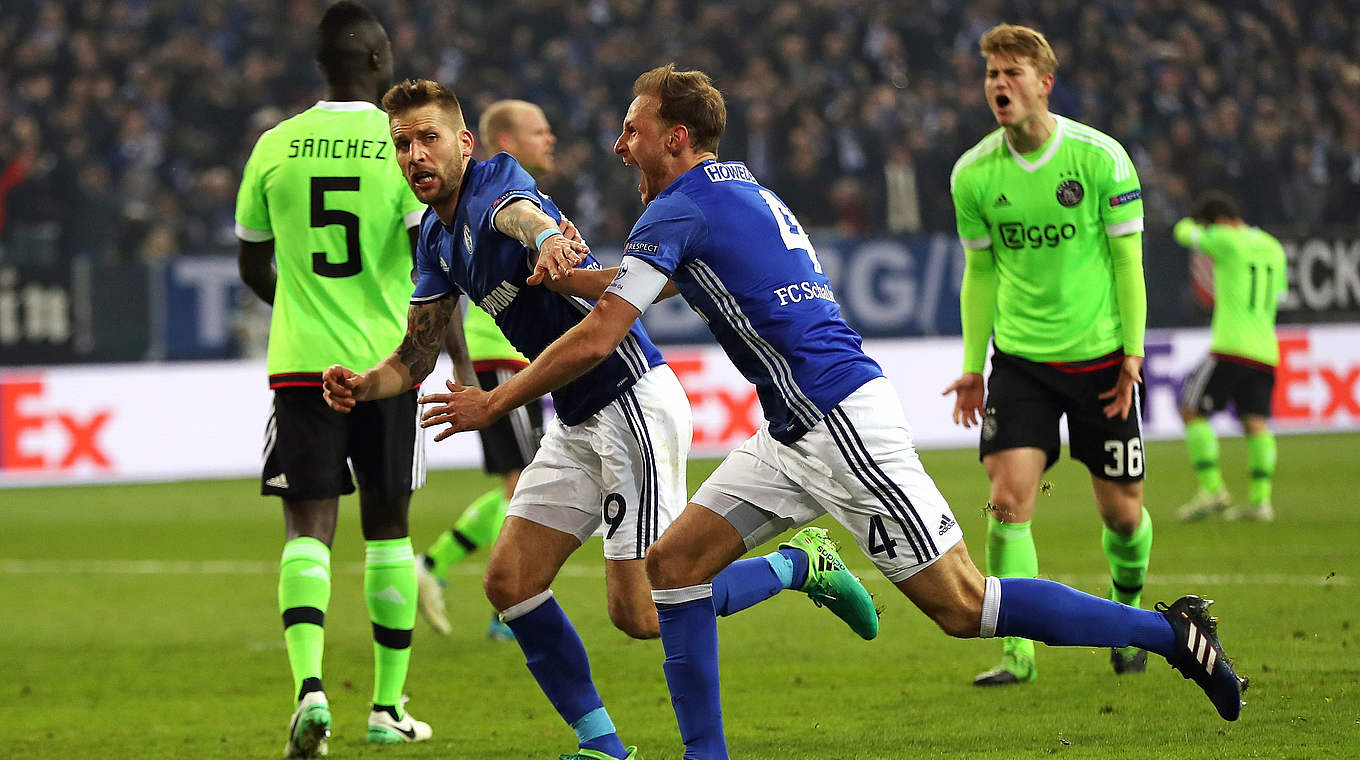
(1128, 557)
(1261, 459)
(304, 593)
(1011, 554)
(1203, 446)
(478, 526)
(390, 589)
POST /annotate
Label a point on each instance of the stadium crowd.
(124, 124)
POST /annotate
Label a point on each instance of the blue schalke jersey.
(739, 257)
(471, 256)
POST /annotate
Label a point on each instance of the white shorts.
(859, 466)
(622, 470)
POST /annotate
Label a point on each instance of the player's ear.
(677, 139)
(1047, 82)
(467, 140)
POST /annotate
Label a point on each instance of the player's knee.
(664, 569)
(961, 619)
(505, 588)
(1124, 526)
(1007, 504)
(637, 620)
(1189, 414)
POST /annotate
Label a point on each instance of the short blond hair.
(689, 98)
(417, 93)
(499, 119)
(1020, 42)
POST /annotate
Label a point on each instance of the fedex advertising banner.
(140, 422)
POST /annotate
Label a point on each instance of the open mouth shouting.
(423, 180)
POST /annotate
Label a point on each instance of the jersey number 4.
(795, 239)
(325, 217)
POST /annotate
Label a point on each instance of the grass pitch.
(141, 622)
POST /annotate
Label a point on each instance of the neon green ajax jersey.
(1047, 217)
(1249, 278)
(485, 341)
(325, 187)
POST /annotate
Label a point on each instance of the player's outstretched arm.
(411, 363)
(592, 283)
(567, 358)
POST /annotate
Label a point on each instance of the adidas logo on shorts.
(278, 481)
(946, 522)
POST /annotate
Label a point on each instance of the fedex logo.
(1317, 384)
(34, 437)
(726, 409)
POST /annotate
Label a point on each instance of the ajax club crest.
(1070, 193)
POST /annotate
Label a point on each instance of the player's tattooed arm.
(425, 327)
(557, 255)
(404, 369)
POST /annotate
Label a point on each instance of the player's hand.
(968, 401)
(462, 408)
(570, 230)
(340, 387)
(558, 256)
(1130, 374)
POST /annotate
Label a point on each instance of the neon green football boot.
(831, 585)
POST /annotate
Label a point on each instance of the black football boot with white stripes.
(1199, 656)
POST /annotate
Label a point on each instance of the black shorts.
(1220, 379)
(509, 444)
(1025, 400)
(306, 444)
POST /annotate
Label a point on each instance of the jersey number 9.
(324, 217)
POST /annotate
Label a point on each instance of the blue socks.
(689, 634)
(750, 581)
(557, 659)
(1058, 615)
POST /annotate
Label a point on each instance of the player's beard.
(448, 179)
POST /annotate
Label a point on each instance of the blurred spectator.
(115, 112)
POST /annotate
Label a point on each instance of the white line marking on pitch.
(261, 567)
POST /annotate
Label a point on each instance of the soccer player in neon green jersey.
(519, 128)
(1249, 277)
(323, 215)
(1050, 215)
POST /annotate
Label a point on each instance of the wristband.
(544, 235)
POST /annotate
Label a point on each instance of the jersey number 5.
(795, 239)
(324, 217)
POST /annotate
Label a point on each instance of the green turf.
(104, 657)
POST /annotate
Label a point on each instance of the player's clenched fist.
(340, 386)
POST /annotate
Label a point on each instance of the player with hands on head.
(1249, 279)
(1050, 215)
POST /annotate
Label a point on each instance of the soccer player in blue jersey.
(835, 439)
(616, 451)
